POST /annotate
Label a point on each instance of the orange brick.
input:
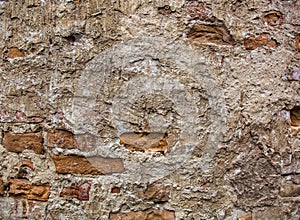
(297, 42)
(19, 142)
(93, 165)
(154, 142)
(14, 52)
(61, 138)
(145, 215)
(25, 189)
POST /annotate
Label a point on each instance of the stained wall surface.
(150, 109)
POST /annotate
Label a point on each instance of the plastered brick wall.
(150, 109)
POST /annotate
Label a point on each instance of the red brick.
(25, 189)
(210, 34)
(14, 52)
(246, 216)
(144, 215)
(295, 116)
(1, 186)
(62, 139)
(145, 141)
(79, 192)
(115, 190)
(273, 18)
(19, 142)
(252, 42)
(297, 42)
(92, 165)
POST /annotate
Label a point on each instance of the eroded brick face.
(146, 215)
(91, 165)
(80, 192)
(1, 186)
(19, 142)
(62, 139)
(151, 142)
(254, 42)
(295, 116)
(210, 34)
(297, 42)
(14, 52)
(25, 189)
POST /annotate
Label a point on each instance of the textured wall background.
(140, 109)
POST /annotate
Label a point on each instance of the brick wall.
(148, 110)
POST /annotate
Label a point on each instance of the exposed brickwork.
(210, 34)
(254, 42)
(289, 190)
(1, 186)
(247, 216)
(80, 192)
(146, 215)
(82, 165)
(145, 141)
(62, 139)
(19, 142)
(210, 87)
(14, 52)
(295, 116)
(115, 190)
(198, 11)
(25, 189)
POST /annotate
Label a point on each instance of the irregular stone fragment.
(246, 216)
(144, 215)
(152, 142)
(19, 142)
(25, 189)
(79, 192)
(295, 116)
(14, 52)
(273, 18)
(210, 34)
(289, 190)
(253, 42)
(92, 165)
(297, 42)
(25, 170)
(1, 186)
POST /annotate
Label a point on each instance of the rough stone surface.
(145, 141)
(1, 186)
(79, 192)
(219, 77)
(62, 139)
